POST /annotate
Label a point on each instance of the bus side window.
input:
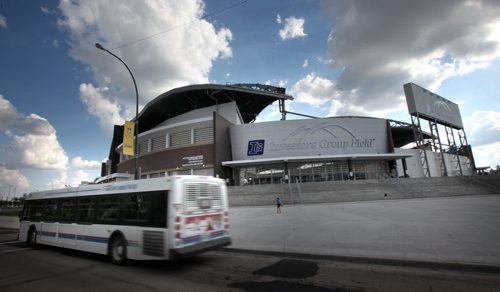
(158, 208)
(135, 207)
(50, 210)
(26, 210)
(86, 209)
(36, 210)
(67, 210)
(108, 208)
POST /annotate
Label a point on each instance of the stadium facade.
(210, 130)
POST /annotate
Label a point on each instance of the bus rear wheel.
(31, 242)
(118, 250)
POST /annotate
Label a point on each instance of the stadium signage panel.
(331, 136)
(325, 144)
(431, 106)
(255, 147)
(192, 160)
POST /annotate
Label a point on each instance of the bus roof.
(129, 186)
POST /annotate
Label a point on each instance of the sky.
(60, 96)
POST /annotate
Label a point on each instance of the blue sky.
(60, 96)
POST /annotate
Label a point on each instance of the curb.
(451, 266)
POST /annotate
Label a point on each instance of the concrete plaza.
(456, 230)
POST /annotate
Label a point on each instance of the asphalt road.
(56, 269)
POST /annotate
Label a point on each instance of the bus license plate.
(204, 203)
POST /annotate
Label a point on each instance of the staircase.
(363, 190)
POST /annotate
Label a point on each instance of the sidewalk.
(453, 230)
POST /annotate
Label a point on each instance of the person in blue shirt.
(278, 205)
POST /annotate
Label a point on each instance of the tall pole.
(136, 150)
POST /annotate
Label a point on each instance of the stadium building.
(210, 130)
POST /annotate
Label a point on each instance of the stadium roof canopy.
(251, 99)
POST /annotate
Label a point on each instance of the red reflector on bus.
(178, 235)
(177, 219)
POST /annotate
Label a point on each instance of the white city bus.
(150, 219)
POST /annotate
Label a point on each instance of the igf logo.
(255, 147)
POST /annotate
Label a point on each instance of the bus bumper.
(200, 247)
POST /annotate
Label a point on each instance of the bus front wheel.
(118, 250)
(31, 242)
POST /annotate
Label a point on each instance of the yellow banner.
(128, 138)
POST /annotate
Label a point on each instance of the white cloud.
(80, 163)
(70, 178)
(45, 10)
(100, 104)
(278, 19)
(33, 143)
(36, 151)
(183, 55)
(483, 128)
(3, 21)
(55, 43)
(306, 63)
(14, 178)
(376, 47)
(12, 122)
(313, 90)
(282, 83)
(294, 28)
(487, 155)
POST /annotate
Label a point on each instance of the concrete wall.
(415, 169)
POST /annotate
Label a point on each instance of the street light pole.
(136, 150)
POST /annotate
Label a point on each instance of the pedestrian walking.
(278, 205)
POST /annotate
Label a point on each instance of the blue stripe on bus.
(88, 238)
(67, 235)
(92, 238)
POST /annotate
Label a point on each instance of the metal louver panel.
(158, 143)
(144, 147)
(180, 138)
(204, 135)
(153, 243)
